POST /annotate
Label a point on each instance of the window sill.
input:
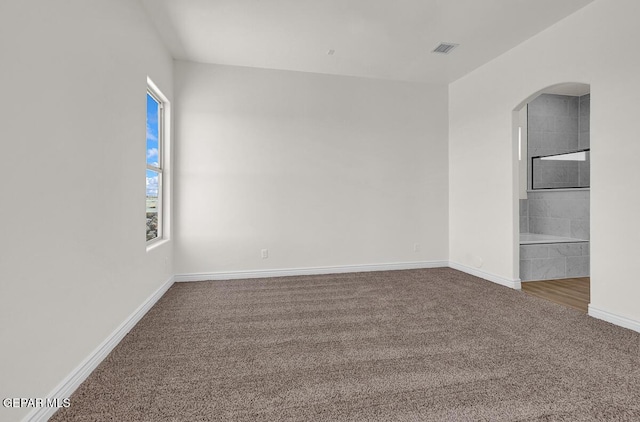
(154, 244)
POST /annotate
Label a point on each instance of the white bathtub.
(533, 238)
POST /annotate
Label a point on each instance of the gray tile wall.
(584, 111)
(558, 124)
(524, 216)
(559, 213)
(555, 260)
(584, 138)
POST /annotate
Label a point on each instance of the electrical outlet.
(265, 253)
(416, 247)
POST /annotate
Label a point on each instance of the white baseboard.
(234, 275)
(82, 371)
(514, 284)
(614, 319)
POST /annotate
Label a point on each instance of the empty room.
(363, 210)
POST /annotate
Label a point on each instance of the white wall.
(73, 260)
(321, 170)
(596, 45)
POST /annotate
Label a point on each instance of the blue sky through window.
(152, 183)
(152, 145)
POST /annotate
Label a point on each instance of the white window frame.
(161, 168)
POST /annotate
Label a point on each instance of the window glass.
(154, 163)
(153, 126)
(153, 205)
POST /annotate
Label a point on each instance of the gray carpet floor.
(416, 345)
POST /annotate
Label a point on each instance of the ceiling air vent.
(445, 47)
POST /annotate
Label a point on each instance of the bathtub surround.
(559, 213)
(561, 219)
(556, 217)
(554, 260)
(534, 238)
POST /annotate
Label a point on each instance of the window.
(156, 105)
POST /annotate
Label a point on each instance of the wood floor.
(572, 292)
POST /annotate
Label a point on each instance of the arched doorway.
(553, 143)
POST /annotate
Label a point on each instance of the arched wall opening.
(552, 184)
